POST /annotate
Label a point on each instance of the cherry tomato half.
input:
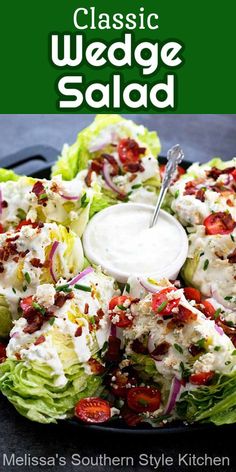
(121, 312)
(141, 399)
(192, 294)
(93, 410)
(219, 223)
(160, 303)
(208, 309)
(129, 151)
(202, 378)
(26, 304)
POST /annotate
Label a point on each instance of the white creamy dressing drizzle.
(120, 239)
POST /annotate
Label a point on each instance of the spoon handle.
(174, 157)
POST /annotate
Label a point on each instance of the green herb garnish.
(24, 288)
(217, 348)
(176, 193)
(136, 186)
(127, 288)
(20, 214)
(228, 298)
(39, 308)
(51, 321)
(232, 237)
(14, 290)
(85, 288)
(206, 264)
(201, 343)
(162, 306)
(84, 201)
(42, 196)
(185, 371)
(217, 313)
(27, 277)
(64, 288)
(178, 348)
(234, 352)
(121, 307)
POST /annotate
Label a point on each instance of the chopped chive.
(84, 201)
(201, 254)
(206, 264)
(227, 362)
(39, 308)
(234, 352)
(51, 321)
(63, 288)
(85, 288)
(121, 307)
(24, 288)
(14, 290)
(27, 277)
(232, 237)
(201, 343)
(184, 370)
(21, 214)
(127, 288)
(136, 186)
(178, 348)
(162, 306)
(42, 196)
(228, 298)
(230, 323)
(217, 348)
(176, 193)
(217, 313)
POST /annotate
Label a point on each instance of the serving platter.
(36, 161)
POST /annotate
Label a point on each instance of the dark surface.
(204, 136)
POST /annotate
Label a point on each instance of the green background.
(206, 81)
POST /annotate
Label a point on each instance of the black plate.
(36, 162)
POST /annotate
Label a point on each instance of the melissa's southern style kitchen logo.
(149, 58)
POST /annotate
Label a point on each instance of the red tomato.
(192, 294)
(141, 399)
(93, 410)
(26, 304)
(3, 354)
(26, 223)
(208, 309)
(185, 314)
(124, 321)
(202, 378)
(129, 151)
(219, 223)
(1, 228)
(234, 174)
(161, 304)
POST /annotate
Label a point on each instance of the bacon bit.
(1, 268)
(35, 322)
(219, 256)
(96, 367)
(200, 195)
(3, 354)
(138, 347)
(97, 165)
(229, 202)
(232, 257)
(55, 188)
(195, 350)
(113, 163)
(39, 190)
(133, 167)
(132, 177)
(78, 331)
(11, 239)
(1, 229)
(4, 204)
(175, 323)
(215, 173)
(40, 340)
(113, 352)
(16, 259)
(99, 315)
(61, 298)
(86, 308)
(161, 349)
(18, 356)
(88, 178)
(185, 314)
(35, 262)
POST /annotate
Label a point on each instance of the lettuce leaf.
(5, 317)
(6, 175)
(75, 158)
(189, 268)
(31, 389)
(215, 403)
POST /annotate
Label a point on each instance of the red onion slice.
(173, 395)
(0, 201)
(147, 287)
(51, 259)
(66, 197)
(82, 274)
(219, 330)
(108, 180)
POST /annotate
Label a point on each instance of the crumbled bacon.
(39, 190)
(99, 315)
(161, 349)
(133, 167)
(61, 298)
(4, 204)
(215, 173)
(86, 308)
(78, 331)
(35, 262)
(232, 257)
(96, 367)
(1, 267)
(138, 347)
(200, 195)
(40, 340)
(113, 163)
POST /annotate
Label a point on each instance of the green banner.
(164, 56)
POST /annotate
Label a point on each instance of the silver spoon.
(174, 157)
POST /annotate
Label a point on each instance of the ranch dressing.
(120, 240)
